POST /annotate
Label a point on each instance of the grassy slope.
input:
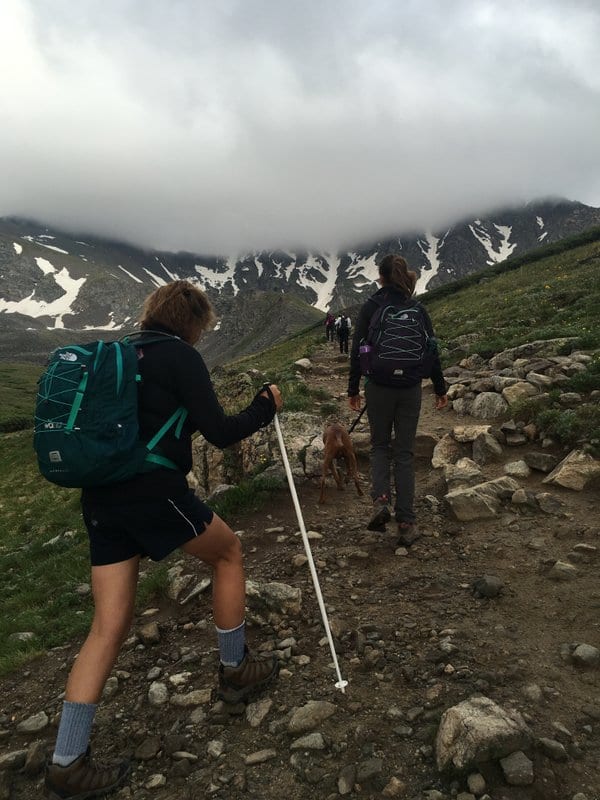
(556, 295)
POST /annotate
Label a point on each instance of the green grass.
(18, 385)
(553, 297)
(40, 578)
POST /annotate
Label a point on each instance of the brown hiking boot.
(408, 533)
(238, 684)
(381, 515)
(83, 778)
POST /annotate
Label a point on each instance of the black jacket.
(362, 328)
(174, 374)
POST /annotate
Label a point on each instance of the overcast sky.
(230, 125)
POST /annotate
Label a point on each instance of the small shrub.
(587, 380)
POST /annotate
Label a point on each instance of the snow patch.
(542, 236)
(505, 247)
(133, 277)
(208, 279)
(156, 280)
(431, 251)
(52, 247)
(110, 326)
(540, 222)
(45, 266)
(30, 307)
(18, 248)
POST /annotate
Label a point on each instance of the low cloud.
(254, 124)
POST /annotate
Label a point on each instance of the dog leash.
(356, 421)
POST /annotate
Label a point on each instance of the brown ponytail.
(395, 273)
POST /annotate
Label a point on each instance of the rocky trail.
(416, 634)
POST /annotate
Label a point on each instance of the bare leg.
(219, 547)
(113, 587)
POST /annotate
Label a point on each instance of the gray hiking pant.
(394, 411)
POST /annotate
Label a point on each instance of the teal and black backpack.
(86, 416)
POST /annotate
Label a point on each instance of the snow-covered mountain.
(51, 281)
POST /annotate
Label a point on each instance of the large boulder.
(481, 501)
(575, 471)
(489, 405)
(478, 730)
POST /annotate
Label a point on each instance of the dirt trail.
(412, 640)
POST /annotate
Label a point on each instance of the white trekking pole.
(341, 683)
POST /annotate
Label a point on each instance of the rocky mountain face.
(53, 283)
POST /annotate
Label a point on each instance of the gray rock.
(369, 769)
(260, 757)
(278, 597)
(575, 471)
(36, 758)
(346, 779)
(518, 469)
(487, 586)
(34, 724)
(542, 462)
(570, 399)
(518, 391)
(13, 760)
(489, 405)
(553, 749)
(309, 716)
(468, 433)
(486, 448)
(481, 501)
(312, 741)
(518, 769)
(549, 504)
(158, 694)
(476, 731)
(256, 712)
(464, 473)
(562, 571)
(586, 656)
(148, 749)
(446, 451)
(476, 783)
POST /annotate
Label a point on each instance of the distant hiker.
(150, 516)
(396, 338)
(343, 328)
(329, 327)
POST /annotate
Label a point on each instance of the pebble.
(256, 712)
(158, 694)
(155, 781)
(518, 769)
(586, 655)
(259, 757)
(312, 741)
(476, 783)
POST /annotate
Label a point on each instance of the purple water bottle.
(364, 356)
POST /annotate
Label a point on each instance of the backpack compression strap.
(177, 419)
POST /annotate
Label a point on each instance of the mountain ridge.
(54, 282)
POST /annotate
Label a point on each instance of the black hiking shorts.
(152, 528)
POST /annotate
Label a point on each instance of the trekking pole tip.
(341, 685)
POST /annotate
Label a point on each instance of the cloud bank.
(223, 126)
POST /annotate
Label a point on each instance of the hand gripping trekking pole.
(341, 683)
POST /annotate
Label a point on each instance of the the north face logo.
(68, 356)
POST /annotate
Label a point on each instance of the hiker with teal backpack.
(148, 513)
(394, 348)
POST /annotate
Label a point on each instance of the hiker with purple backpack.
(394, 348)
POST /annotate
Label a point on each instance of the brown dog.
(338, 445)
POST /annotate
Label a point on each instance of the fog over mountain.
(253, 125)
(53, 284)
